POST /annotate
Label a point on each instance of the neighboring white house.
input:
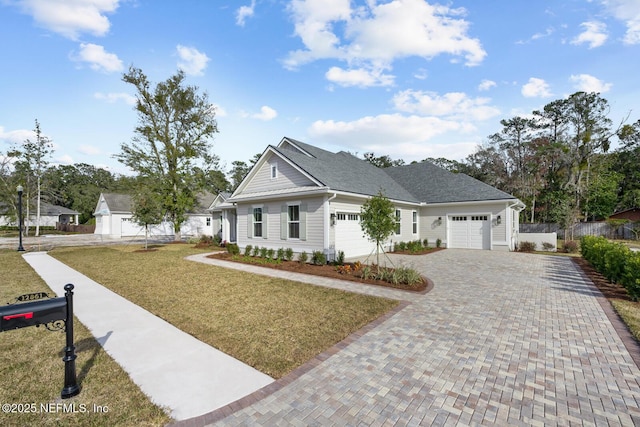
(49, 216)
(114, 218)
(302, 197)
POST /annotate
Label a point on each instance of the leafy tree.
(382, 161)
(175, 124)
(32, 161)
(147, 209)
(239, 170)
(78, 187)
(601, 195)
(377, 219)
(8, 184)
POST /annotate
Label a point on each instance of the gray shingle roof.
(418, 182)
(345, 172)
(118, 202)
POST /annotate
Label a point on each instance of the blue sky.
(406, 78)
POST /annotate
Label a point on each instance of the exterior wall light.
(439, 220)
(333, 219)
(498, 220)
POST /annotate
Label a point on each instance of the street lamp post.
(20, 189)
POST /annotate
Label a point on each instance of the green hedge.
(614, 261)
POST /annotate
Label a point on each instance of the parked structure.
(114, 218)
(307, 198)
(49, 216)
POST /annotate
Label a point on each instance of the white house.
(114, 218)
(302, 197)
(49, 216)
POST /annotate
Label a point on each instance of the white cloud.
(375, 35)
(627, 11)
(266, 113)
(220, 112)
(588, 83)
(359, 77)
(451, 105)
(486, 85)
(245, 12)
(595, 34)
(71, 18)
(536, 88)
(97, 58)
(112, 98)
(65, 159)
(383, 129)
(15, 136)
(192, 61)
(89, 150)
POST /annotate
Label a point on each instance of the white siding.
(272, 239)
(288, 177)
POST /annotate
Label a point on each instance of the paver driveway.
(503, 339)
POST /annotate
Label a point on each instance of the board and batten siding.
(287, 177)
(271, 217)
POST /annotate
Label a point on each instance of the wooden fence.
(582, 229)
(85, 229)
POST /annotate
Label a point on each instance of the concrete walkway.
(503, 339)
(173, 368)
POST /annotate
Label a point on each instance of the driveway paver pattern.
(503, 339)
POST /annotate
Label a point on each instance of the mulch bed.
(608, 289)
(328, 271)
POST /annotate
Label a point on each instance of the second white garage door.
(470, 231)
(350, 237)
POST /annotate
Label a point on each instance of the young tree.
(377, 219)
(147, 209)
(32, 163)
(175, 125)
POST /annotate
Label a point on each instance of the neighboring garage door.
(350, 237)
(470, 232)
(130, 228)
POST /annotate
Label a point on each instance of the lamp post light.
(20, 189)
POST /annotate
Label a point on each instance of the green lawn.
(32, 370)
(271, 324)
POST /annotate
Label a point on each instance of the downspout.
(327, 220)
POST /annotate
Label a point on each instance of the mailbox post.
(51, 313)
(20, 189)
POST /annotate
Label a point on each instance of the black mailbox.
(55, 312)
(32, 313)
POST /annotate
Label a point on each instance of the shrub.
(340, 258)
(280, 254)
(288, 254)
(303, 257)
(206, 240)
(400, 247)
(409, 276)
(247, 250)
(415, 246)
(570, 247)
(547, 246)
(425, 243)
(217, 240)
(233, 248)
(438, 243)
(318, 258)
(270, 253)
(263, 252)
(526, 246)
(367, 272)
(256, 251)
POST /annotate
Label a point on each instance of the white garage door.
(130, 228)
(470, 232)
(350, 237)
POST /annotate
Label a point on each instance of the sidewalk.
(173, 368)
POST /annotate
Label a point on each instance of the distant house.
(49, 216)
(114, 218)
(219, 209)
(307, 198)
(632, 215)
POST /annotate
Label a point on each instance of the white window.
(293, 221)
(415, 222)
(274, 171)
(257, 222)
(398, 220)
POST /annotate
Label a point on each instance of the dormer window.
(274, 171)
